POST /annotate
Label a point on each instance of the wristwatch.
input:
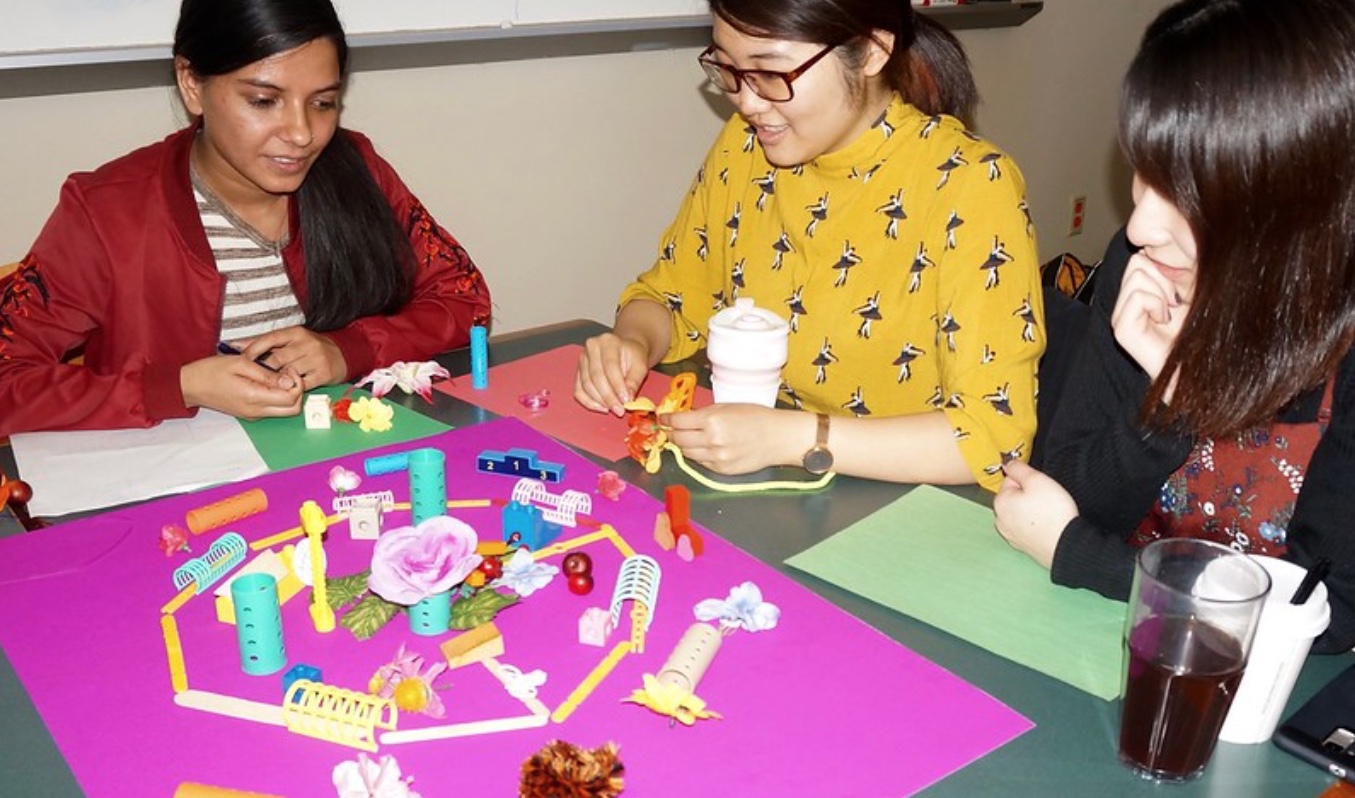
(819, 460)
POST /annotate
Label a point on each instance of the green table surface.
(1070, 752)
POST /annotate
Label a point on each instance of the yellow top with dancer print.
(905, 264)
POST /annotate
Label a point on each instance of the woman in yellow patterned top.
(896, 243)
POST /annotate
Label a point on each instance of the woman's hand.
(610, 373)
(312, 356)
(1031, 511)
(738, 438)
(1148, 316)
(240, 387)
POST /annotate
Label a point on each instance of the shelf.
(986, 14)
(62, 72)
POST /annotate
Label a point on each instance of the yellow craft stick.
(566, 545)
(464, 729)
(178, 675)
(590, 683)
(457, 504)
(618, 541)
(231, 707)
(314, 522)
(189, 591)
(273, 540)
(639, 617)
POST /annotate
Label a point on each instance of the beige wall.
(559, 173)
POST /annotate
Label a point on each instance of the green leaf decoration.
(368, 616)
(344, 590)
(469, 612)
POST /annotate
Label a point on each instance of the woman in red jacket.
(262, 228)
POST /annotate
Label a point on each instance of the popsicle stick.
(231, 707)
(590, 683)
(463, 729)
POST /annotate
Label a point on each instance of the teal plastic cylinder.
(432, 616)
(258, 624)
(427, 484)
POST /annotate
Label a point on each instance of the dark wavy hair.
(358, 259)
(1242, 113)
(927, 66)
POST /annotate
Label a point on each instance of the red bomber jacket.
(123, 269)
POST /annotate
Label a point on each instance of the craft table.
(1071, 750)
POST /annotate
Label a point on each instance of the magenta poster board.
(820, 705)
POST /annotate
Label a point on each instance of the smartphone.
(1322, 731)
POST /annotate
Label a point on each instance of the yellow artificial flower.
(671, 701)
(372, 415)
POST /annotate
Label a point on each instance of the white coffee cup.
(1283, 636)
(747, 348)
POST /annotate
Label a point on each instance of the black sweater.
(1114, 466)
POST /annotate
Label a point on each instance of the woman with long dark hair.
(263, 228)
(846, 195)
(1214, 394)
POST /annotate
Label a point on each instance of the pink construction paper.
(821, 705)
(601, 434)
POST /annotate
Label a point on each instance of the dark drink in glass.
(1182, 676)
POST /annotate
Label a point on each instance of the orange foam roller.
(241, 505)
(191, 790)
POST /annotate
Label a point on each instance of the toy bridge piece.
(345, 504)
(224, 554)
(337, 715)
(637, 582)
(518, 463)
(561, 509)
(314, 524)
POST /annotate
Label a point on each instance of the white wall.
(559, 173)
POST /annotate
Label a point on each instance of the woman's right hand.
(1148, 316)
(610, 372)
(240, 387)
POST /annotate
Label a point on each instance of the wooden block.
(476, 645)
(267, 562)
(317, 411)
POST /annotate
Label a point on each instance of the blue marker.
(479, 358)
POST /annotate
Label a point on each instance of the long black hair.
(1242, 114)
(927, 65)
(359, 261)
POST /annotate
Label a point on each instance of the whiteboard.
(55, 32)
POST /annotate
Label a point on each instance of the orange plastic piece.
(191, 790)
(477, 645)
(234, 508)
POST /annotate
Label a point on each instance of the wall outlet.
(1077, 216)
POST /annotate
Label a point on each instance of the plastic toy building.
(518, 463)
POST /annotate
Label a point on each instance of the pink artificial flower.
(410, 564)
(173, 538)
(410, 377)
(611, 485)
(341, 480)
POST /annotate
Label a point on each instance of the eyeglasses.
(765, 83)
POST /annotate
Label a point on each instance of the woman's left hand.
(731, 438)
(311, 355)
(1031, 511)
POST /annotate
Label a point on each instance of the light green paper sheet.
(286, 443)
(936, 557)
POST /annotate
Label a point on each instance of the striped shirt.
(259, 296)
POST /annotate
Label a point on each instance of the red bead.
(580, 584)
(491, 567)
(578, 563)
(20, 492)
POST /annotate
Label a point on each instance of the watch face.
(818, 460)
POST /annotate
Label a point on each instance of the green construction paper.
(936, 557)
(286, 443)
